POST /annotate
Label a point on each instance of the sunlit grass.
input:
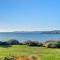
(23, 50)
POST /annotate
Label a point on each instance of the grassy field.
(43, 53)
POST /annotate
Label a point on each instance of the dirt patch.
(26, 58)
(22, 58)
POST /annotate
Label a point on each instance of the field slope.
(43, 53)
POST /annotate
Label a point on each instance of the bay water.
(28, 36)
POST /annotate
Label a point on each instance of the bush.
(9, 58)
(5, 43)
(41, 44)
(13, 42)
(27, 42)
(33, 43)
(21, 43)
(58, 44)
(53, 44)
(1, 42)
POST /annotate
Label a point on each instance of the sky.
(29, 15)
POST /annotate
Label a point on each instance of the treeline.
(48, 44)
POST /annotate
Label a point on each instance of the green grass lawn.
(43, 53)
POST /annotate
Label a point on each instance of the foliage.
(8, 58)
(53, 44)
(33, 43)
(13, 42)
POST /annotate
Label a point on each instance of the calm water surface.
(28, 36)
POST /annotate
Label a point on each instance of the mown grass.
(22, 50)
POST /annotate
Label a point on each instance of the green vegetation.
(33, 43)
(24, 50)
(52, 44)
(48, 50)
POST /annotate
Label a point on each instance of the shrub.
(5, 43)
(1, 43)
(9, 58)
(21, 43)
(13, 42)
(27, 42)
(58, 44)
(41, 44)
(33, 43)
(53, 44)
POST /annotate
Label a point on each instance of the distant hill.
(52, 32)
(42, 32)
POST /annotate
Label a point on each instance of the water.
(28, 36)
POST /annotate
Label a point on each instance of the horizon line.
(29, 31)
